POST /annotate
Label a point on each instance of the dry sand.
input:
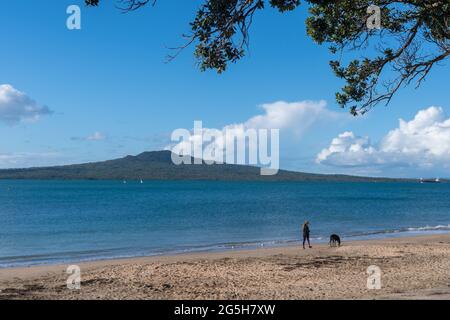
(412, 268)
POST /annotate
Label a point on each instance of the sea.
(52, 222)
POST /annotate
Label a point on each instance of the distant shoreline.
(157, 165)
(343, 180)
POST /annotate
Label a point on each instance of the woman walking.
(306, 234)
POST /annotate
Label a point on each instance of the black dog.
(335, 240)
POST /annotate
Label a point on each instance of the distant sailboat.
(124, 181)
(142, 181)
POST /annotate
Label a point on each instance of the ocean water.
(44, 222)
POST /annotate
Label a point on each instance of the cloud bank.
(297, 116)
(16, 106)
(294, 117)
(422, 143)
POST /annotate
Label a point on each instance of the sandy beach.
(411, 268)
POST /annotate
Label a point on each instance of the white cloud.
(422, 143)
(296, 117)
(96, 136)
(16, 106)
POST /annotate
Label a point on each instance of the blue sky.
(110, 92)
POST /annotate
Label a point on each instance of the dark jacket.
(306, 229)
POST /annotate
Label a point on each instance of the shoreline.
(238, 252)
(243, 246)
(422, 262)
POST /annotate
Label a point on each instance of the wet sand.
(411, 268)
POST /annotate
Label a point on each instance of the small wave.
(400, 230)
(429, 228)
(127, 252)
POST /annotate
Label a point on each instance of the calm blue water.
(62, 221)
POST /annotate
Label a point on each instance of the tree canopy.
(413, 38)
